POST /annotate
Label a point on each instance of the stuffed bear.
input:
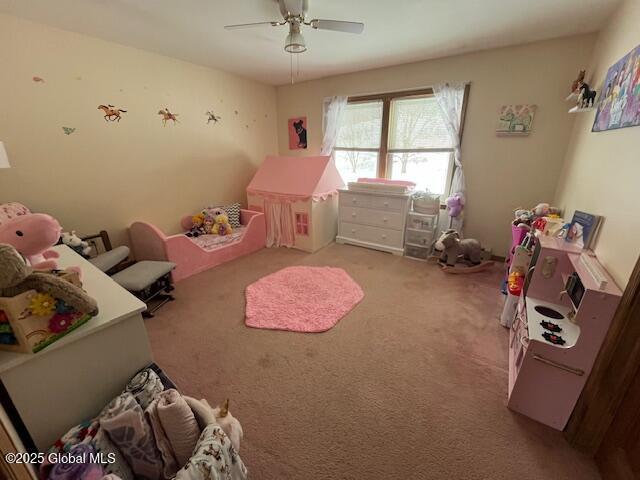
(17, 277)
(453, 249)
(222, 225)
(73, 241)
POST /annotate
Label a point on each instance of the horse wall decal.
(111, 113)
(212, 117)
(167, 115)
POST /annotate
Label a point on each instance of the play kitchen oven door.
(518, 342)
(543, 381)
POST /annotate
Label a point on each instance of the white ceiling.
(396, 31)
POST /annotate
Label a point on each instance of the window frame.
(383, 151)
(302, 223)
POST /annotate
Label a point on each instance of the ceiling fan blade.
(251, 25)
(337, 25)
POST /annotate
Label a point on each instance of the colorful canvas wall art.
(515, 119)
(297, 133)
(619, 104)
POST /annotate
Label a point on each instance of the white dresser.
(373, 219)
(73, 378)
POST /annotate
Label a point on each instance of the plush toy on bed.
(197, 226)
(222, 225)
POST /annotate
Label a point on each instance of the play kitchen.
(561, 320)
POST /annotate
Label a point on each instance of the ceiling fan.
(294, 13)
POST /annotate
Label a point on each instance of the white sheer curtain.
(450, 97)
(333, 108)
(279, 218)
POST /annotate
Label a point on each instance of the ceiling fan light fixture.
(295, 41)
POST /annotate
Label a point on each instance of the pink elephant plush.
(32, 235)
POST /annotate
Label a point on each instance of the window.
(398, 136)
(302, 224)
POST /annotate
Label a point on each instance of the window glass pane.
(361, 125)
(429, 171)
(417, 123)
(353, 165)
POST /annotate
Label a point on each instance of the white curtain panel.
(333, 108)
(279, 218)
(450, 97)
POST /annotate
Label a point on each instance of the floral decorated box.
(33, 320)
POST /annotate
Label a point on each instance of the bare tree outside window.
(398, 136)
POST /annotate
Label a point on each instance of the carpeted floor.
(410, 385)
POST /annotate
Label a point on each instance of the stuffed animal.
(578, 81)
(33, 235)
(209, 223)
(541, 210)
(455, 205)
(73, 241)
(197, 226)
(17, 277)
(453, 249)
(523, 218)
(220, 416)
(222, 225)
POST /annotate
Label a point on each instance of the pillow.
(232, 211)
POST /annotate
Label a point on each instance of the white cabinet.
(373, 219)
(74, 378)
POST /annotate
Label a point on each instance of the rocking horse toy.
(460, 256)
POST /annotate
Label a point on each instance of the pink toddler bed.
(195, 255)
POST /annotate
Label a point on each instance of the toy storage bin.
(422, 221)
(23, 331)
(419, 237)
(429, 205)
(416, 252)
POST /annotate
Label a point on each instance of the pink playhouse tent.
(299, 198)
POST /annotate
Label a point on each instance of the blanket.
(212, 242)
(117, 464)
(89, 433)
(178, 423)
(123, 419)
(81, 468)
(145, 386)
(170, 465)
(213, 459)
(82, 434)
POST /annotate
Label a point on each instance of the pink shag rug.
(301, 299)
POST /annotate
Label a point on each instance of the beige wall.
(105, 175)
(602, 170)
(502, 173)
